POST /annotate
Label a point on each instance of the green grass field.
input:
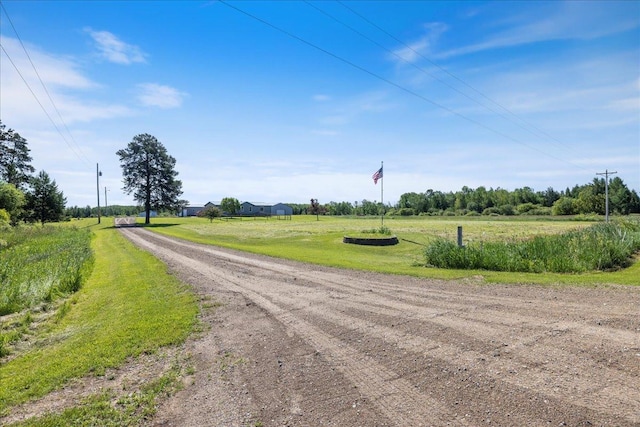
(303, 238)
(129, 305)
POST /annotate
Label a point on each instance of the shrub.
(405, 212)
(492, 211)
(525, 208)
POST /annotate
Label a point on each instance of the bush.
(405, 212)
(524, 208)
(492, 211)
(540, 210)
(211, 213)
(507, 210)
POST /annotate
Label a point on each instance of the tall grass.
(38, 264)
(601, 247)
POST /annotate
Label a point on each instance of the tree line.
(581, 199)
(149, 174)
(148, 171)
(23, 196)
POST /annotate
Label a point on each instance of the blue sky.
(287, 101)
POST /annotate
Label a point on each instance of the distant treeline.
(112, 210)
(581, 199)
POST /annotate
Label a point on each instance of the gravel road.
(292, 344)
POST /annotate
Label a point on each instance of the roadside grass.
(303, 238)
(39, 264)
(106, 409)
(600, 247)
(129, 305)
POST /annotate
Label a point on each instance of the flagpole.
(382, 194)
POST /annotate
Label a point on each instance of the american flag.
(376, 176)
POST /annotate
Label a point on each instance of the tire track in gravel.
(545, 381)
(308, 301)
(396, 398)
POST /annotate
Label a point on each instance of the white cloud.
(64, 80)
(115, 50)
(156, 95)
(53, 70)
(321, 97)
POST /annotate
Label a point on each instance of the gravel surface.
(292, 344)
(295, 344)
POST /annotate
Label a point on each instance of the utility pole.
(105, 201)
(606, 174)
(98, 174)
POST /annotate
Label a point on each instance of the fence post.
(460, 236)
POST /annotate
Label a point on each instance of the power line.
(529, 126)
(394, 84)
(414, 65)
(81, 156)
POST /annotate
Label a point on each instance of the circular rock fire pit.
(371, 241)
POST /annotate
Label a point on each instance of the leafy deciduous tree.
(230, 205)
(149, 173)
(12, 201)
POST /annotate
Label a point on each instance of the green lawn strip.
(129, 306)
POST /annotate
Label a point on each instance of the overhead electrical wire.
(78, 153)
(529, 126)
(394, 84)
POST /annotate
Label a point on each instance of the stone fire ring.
(371, 241)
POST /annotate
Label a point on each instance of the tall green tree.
(230, 205)
(15, 162)
(45, 203)
(149, 173)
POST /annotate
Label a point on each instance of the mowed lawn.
(305, 238)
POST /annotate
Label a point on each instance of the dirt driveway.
(300, 345)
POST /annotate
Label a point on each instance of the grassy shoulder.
(129, 305)
(306, 239)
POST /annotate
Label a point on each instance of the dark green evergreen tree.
(149, 173)
(45, 203)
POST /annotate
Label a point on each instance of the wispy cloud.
(321, 97)
(115, 50)
(156, 95)
(422, 46)
(557, 21)
(53, 70)
(65, 82)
